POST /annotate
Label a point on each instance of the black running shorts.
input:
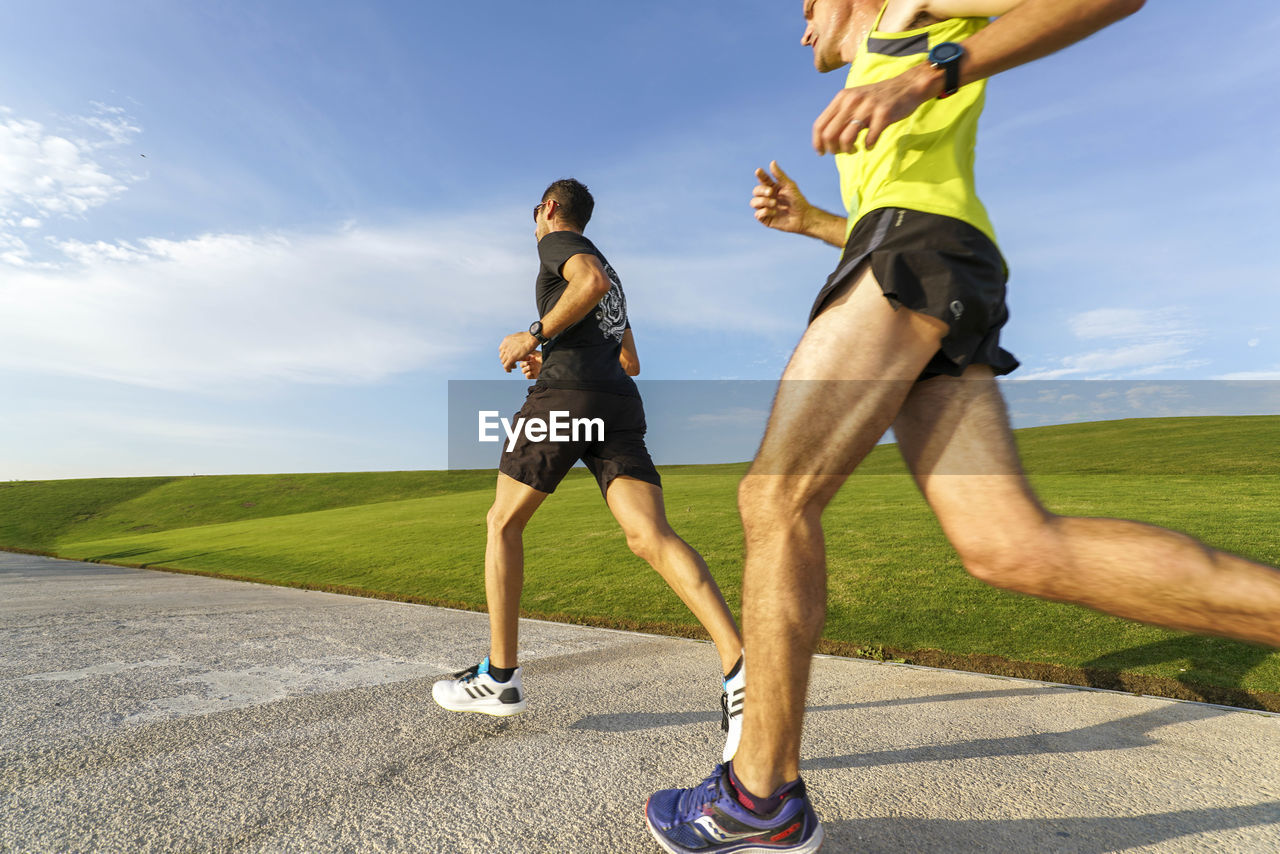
(939, 266)
(542, 464)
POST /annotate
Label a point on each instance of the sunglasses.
(539, 207)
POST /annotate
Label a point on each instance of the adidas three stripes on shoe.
(731, 700)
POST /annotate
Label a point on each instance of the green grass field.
(897, 591)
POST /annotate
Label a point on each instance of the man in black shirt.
(583, 373)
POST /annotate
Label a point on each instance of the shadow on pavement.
(1084, 835)
(1122, 734)
(636, 721)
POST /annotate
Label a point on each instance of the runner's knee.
(646, 537)
(1026, 560)
(501, 520)
(767, 501)
(644, 544)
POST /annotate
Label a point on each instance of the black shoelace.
(473, 671)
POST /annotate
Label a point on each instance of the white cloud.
(13, 250)
(1273, 374)
(349, 305)
(1066, 401)
(1145, 356)
(43, 173)
(1147, 342)
(220, 311)
(99, 251)
(174, 430)
(1129, 323)
(113, 123)
(1044, 374)
(1146, 397)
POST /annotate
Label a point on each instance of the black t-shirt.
(584, 356)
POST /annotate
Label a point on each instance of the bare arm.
(1029, 30)
(588, 283)
(779, 204)
(628, 357)
(941, 9)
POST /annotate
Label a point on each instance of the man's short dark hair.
(574, 199)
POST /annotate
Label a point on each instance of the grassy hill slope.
(896, 588)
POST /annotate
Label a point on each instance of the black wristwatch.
(947, 56)
(535, 329)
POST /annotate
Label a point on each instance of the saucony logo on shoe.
(713, 831)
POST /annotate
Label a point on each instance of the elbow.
(600, 286)
(633, 369)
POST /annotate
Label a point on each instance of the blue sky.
(332, 217)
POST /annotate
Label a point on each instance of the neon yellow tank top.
(925, 161)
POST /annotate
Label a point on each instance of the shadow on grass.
(130, 557)
(127, 554)
(1213, 661)
(1215, 669)
(1069, 835)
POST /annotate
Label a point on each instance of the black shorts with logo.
(939, 266)
(621, 451)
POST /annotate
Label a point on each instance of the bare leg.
(513, 505)
(639, 509)
(842, 389)
(955, 437)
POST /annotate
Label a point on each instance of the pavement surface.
(148, 711)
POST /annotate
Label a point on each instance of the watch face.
(945, 52)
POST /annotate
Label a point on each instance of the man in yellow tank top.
(905, 334)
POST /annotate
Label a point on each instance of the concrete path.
(145, 711)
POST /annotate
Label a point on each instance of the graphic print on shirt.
(612, 310)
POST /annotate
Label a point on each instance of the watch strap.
(951, 78)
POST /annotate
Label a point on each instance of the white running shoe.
(474, 690)
(735, 691)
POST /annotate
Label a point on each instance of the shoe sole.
(503, 711)
(811, 845)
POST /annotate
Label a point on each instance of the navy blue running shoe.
(710, 818)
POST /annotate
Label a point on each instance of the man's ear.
(552, 209)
